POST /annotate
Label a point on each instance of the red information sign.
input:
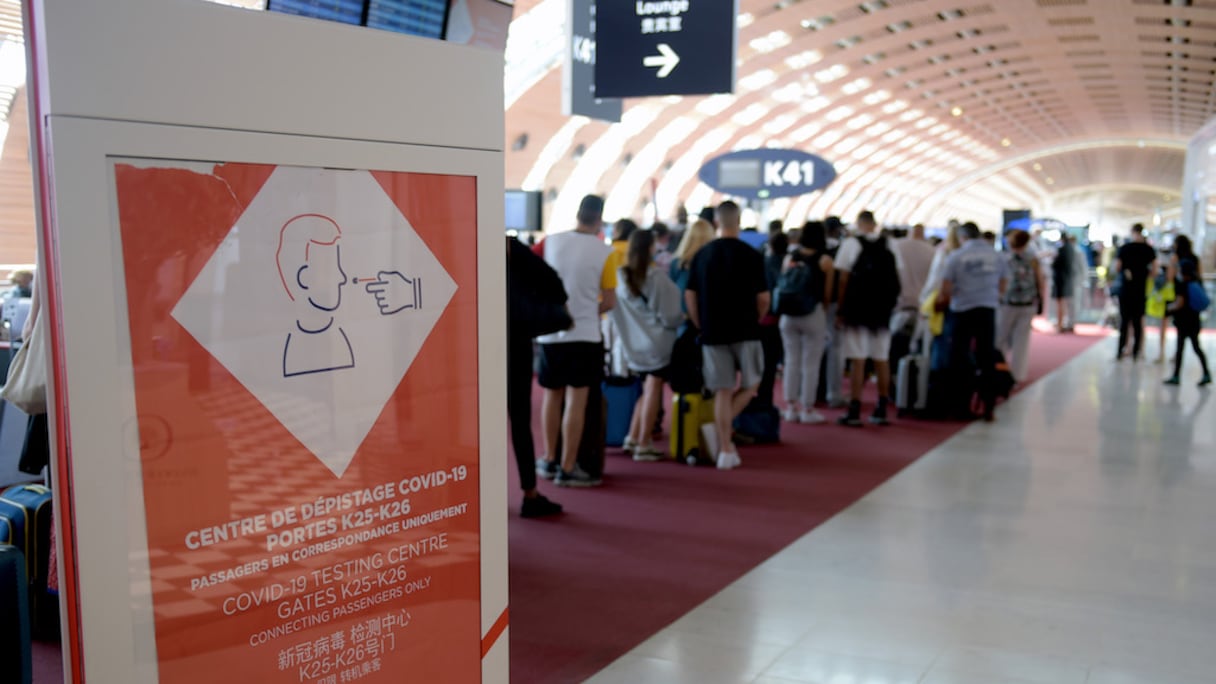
(304, 345)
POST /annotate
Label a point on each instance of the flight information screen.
(416, 17)
(345, 11)
(739, 173)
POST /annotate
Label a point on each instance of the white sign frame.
(84, 127)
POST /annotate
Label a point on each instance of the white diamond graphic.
(317, 301)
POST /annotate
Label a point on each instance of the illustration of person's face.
(322, 277)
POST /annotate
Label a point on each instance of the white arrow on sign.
(666, 60)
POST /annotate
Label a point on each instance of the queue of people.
(933, 324)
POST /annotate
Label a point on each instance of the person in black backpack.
(803, 289)
(869, 290)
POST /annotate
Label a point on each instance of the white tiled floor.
(1071, 542)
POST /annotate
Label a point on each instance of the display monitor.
(523, 210)
(480, 23)
(344, 11)
(425, 18)
(739, 173)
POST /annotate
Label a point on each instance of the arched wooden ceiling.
(928, 108)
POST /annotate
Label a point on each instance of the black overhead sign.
(578, 81)
(665, 47)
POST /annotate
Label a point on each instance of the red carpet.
(659, 538)
(629, 558)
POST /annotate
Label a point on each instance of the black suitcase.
(16, 658)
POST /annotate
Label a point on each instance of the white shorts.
(863, 343)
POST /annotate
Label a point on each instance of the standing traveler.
(869, 290)
(803, 291)
(621, 230)
(833, 358)
(915, 258)
(726, 296)
(939, 340)
(1165, 285)
(1023, 300)
(770, 334)
(572, 361)
(972, 285)
(1061, 283)
(664, 247)
(678, 227)
(646, 316)
(536, 299)
(1190, 301)
(699, 234)
(1135, 264)
(1080, 281)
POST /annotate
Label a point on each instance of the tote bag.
(26, 385)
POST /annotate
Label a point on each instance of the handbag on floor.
(759, 423)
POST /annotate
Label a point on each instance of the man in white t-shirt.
(572, 361)
(868, 293)
(915, 257)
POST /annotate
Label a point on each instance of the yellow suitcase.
(688, 413)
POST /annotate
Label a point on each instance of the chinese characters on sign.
(662, 25)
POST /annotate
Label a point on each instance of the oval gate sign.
(767, 173)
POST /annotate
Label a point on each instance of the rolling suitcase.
(908, 391)
(16, 657)
(25, 522)
(688, 413)
(620, 395)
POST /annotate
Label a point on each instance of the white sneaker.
(647, 454)
(728, 460)
(790, 414)
(811, 417)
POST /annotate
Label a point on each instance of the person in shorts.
(726, 296)
(867, 294)
(572, 361)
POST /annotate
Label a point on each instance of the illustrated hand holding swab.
(394, 292)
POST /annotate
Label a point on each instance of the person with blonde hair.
(699, 234)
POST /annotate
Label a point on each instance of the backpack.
(685, 374)
(1197, 298)
(1023, 286)
(874, 288)
(796, 293)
